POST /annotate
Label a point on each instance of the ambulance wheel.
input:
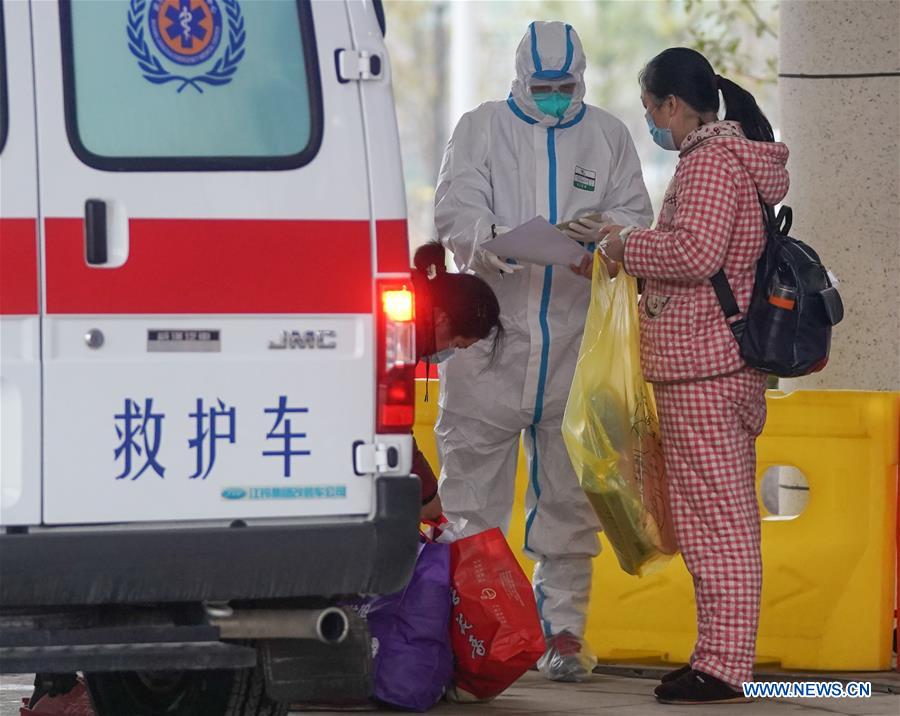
(182, 693)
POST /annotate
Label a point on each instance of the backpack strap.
(725, 294)
(720, 281)
(728, 303)
(784, 220)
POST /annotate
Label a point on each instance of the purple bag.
(413, 661)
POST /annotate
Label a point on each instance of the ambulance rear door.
(20, 384)
(208, 269)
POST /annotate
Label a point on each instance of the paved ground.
(12, 688)
(624, 696)
(617, 695)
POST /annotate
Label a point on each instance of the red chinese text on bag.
(495, 629)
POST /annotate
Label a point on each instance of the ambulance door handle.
(95, 232)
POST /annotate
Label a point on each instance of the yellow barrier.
(828, 574)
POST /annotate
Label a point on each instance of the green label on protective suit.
(585, 179)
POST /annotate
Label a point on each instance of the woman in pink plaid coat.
(711, 405)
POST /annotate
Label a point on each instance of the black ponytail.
(687, 74)
(470, 304)
(740, 106)
(430, 259)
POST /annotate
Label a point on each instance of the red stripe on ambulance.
(392, 245)
(18, 267)
(188, 266)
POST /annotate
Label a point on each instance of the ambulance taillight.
(396, 357)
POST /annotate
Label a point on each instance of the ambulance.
(207, 347)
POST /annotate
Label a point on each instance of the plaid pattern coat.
(710, 218)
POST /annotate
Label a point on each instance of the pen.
(494, 236)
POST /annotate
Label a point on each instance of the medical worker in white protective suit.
(540, 152)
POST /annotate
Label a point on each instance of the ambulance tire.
(186, 693)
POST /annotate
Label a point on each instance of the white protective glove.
(493, 262)
(586, 230)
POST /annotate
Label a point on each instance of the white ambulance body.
(202, 222)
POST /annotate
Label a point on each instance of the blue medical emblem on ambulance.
(186, 31)
(187, 35)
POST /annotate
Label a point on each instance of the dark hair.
(470, 304)
(687, 74)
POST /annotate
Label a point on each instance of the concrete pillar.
(844, 135)
(463, 73)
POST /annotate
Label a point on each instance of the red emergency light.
(396, 356)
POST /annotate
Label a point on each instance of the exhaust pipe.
(329, 625)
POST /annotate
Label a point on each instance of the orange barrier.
(828, 574)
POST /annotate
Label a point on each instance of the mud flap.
(310, 672)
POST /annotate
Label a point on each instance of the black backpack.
(787, 329)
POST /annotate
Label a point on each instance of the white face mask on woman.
(663, 137)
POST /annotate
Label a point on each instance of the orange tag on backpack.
(781, 302)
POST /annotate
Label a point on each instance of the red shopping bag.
(495, 629)
(76, 702)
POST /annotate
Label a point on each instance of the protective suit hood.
(549, 50)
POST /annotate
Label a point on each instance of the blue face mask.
(441, 356)
(553, 104)
(663, 137)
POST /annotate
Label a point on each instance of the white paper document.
(537, 242)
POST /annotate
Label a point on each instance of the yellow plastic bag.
(612, 432)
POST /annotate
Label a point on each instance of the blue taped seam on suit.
(570, 49)
(548, 282)
(545, 354)
(550, 75)
(575, 120)
(541, 598)
(542, 316)
(551, 155)
(511, 103)
(545, 342)
(516, 110)
(534, 484)
(535, 56)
